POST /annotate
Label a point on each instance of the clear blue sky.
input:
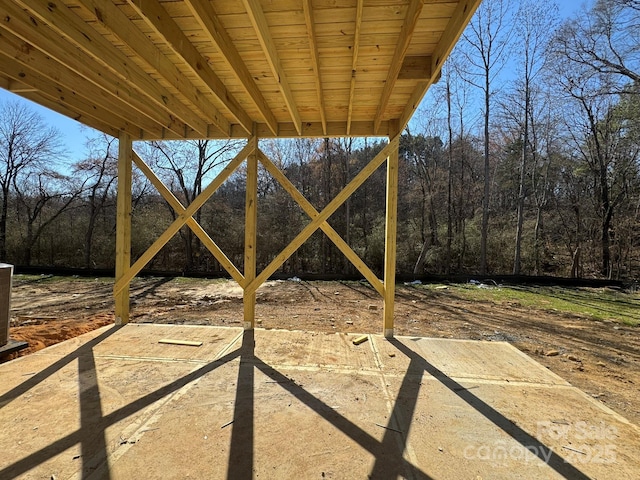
(75, 134)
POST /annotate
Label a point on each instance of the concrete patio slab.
(116, 403)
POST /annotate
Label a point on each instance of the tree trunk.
(536, 240)
(28, 244)
(575, 264)
(88, 238)
(606, 246)
(449, 182)
(523, 176)
(485, 196)
(418, 269)
(3, 225)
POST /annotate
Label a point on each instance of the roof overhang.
(176, 69)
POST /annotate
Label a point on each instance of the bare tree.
(186, 166)
(26, 145)
(598, 63)
(487, 37)
(98, 174)
(605, 39)
(41, 197)
(535, 24)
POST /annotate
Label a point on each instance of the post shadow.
(240, 465)
(20, 467)
(389, 454)
(39, 377)
(395, 438)
(528, 441)
(93, 443)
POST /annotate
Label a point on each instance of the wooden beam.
(82, 36)
(250, 238)
(260, 25)
(157, 18)
(324, 226)
(390, 240)
(182, 219)
(458, 22)
(314, 130)
(354, 64)
(203, 12)
(339, 199)
(85, 111)
(409, 25)
(315, 62)
(112, 18)
(123, 228)
(191, 222)
(415, 67)
(17, 86)
(55, 59)
(37, 97)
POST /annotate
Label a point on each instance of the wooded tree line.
(524, 159)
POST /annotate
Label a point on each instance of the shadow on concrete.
(242, 436)
(418, 365)
(388, 453)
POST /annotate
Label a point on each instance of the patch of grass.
(24, 278)
(595, 303)
(194, 280)
(19, 279)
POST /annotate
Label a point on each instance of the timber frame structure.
(186, 69)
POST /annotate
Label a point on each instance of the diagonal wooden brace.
(309, 230)
(183, 218)
(324, 226)
(204, 237)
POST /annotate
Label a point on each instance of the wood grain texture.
(183, 69)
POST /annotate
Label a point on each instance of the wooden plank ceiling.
(197, 68)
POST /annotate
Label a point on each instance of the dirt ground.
(600, 357)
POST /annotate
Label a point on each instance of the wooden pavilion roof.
(171, 69)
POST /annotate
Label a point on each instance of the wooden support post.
(390, 239)
(123, 226)
(250, 237)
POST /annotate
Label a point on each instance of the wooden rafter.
(63, 109)
(410, 21)
(156, 17)
(77, 68)
(459, 20)
(354, 63)
(416, 67)
(81, 35)
(260, 25)
(91, 111)
(184, 69)
(112, 18)
(315, 62)
(208, 20)
(17, 86)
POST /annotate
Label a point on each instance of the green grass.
(195, 280)
(24, 278)
(595, 303)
